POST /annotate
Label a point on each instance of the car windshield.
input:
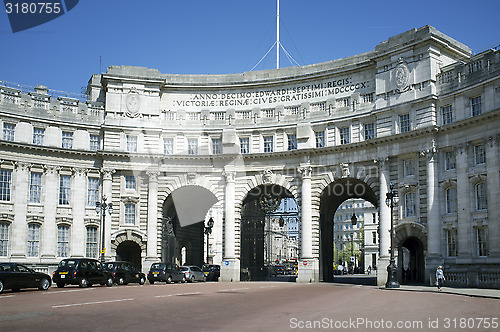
(157, 266)
(184, 268)
(68, 263)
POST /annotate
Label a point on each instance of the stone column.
(19, 226)
(78, 231)
(50, 190)
(384, 223)
(464, 197)
(493, 188)
(230, 270)
(107, 182)
(308, 265)
(152, 231)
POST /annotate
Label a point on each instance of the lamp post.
(208, 231)
(354, 220)
(392, 200)
(100, 208)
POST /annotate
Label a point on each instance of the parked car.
(124, 273)
(83, 272)
(212, 272)
(16, 276)
(193, 273)
(168, 272)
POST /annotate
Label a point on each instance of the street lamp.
(392, 200)
(208, 231)
(101, 207)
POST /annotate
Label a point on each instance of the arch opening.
(129, 251)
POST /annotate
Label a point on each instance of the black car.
(16, 276)
(212, 272)
(167, 272)
(124, 273)
(83, 272)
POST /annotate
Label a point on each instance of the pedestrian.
(369, 269)
(440, 277)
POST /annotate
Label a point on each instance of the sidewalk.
(475, 292)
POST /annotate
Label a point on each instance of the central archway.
(331, 198)
(269, 233)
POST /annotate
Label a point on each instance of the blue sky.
(223, 36)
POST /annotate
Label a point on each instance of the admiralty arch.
(418, 116)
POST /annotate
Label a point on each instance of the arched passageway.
(331, 198)
(269, 233)
(411, 261)
(131, 252)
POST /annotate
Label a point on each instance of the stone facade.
(419, 111)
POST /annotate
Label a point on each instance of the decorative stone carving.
(305, 170)
(191, 177)
(401, 76)
(267, 176)
(229, 176)
(153, 175)
(346, 172)
(133, 103)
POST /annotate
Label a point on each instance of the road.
(245, 306)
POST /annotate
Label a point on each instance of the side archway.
(410, 239)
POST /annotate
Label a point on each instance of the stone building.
(169, 152)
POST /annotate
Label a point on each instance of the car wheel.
(1, 286)
(109, 283)
(44, 284)
(83, 283)
(169, 280)
(204, 279)
(151, 282)
(142, 281)
(183, 280)
(121, 281)
(193, 279)
(60, 284)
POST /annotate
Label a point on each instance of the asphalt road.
(245, 306)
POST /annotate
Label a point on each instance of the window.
(451, 200)
(131, 143)
(408, 167)
(292, 142)
(479, 155)
(38, 135)
(449, 160)
(244, 145)
(4, 238)
(35, 187)
(268, 144)
(480, 192)
(409, 208)
(62, 241)
(475, 106)
(95, 143)
(92, 191)
(216, 145)
(369, 131)
(192, 146)
(130, 213)
(91, 247)
(374, 237)
(67, 140)
(33, 240)
(451, 242)
(64, 189)
(482, 241)
(8, 131)
(320, 139)
(168, 145)
(404, 123)
(130, 182)
(344, 135)
(5, 184)
(446, 112)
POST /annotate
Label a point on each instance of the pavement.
(474, 292)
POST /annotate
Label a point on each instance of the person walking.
(440, 277)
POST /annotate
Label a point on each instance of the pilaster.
(151, 252)
(49, 230)
(493, 188)
(19, 225)
(464, 197)
(230, 269)
(78, 231)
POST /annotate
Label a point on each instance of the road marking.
(267, 286)
(4, 296)
(69, 291)
(233, 289)
(88, 303)
(182, 294)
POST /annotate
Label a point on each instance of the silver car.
(193, 273)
